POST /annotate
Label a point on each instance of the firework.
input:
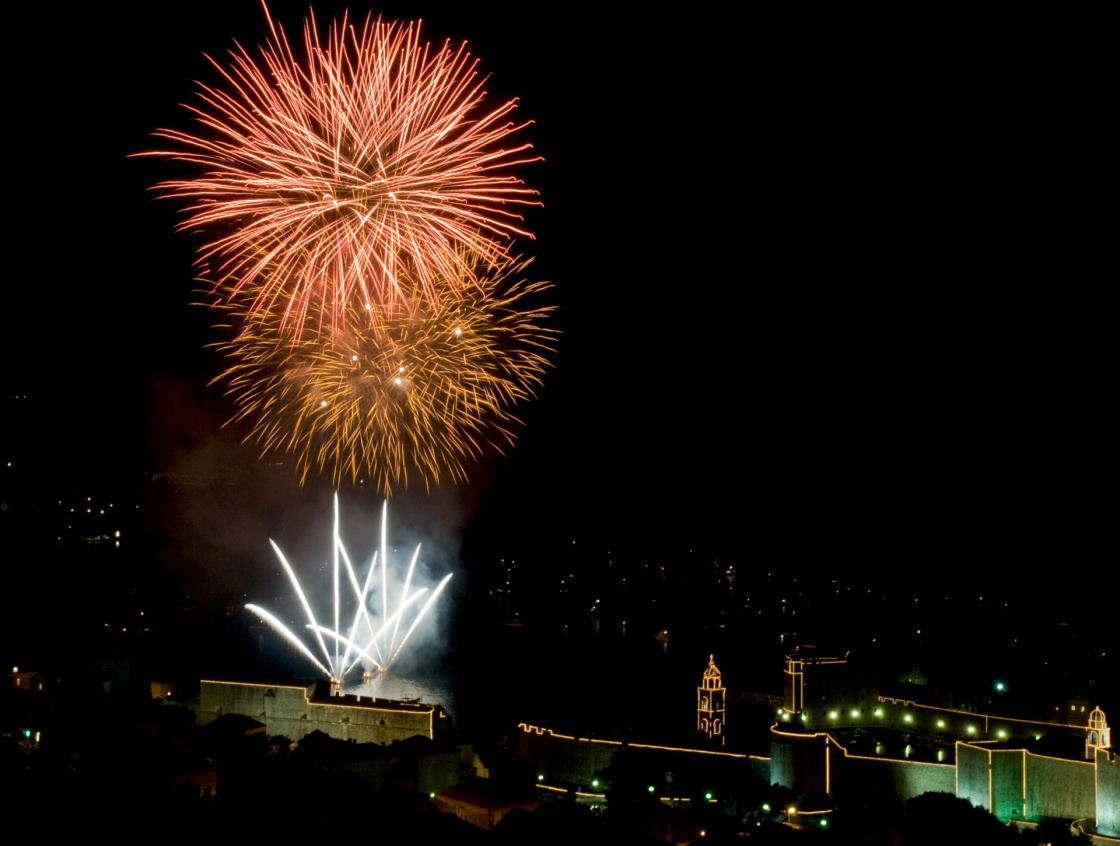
(418, 399)
(331, 173)
(374, 639)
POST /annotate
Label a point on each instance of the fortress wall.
(288, 710)
(1007, 766)
(1059, 788)
(1108, 792)
(888, 781)
(801, 762)
(564, 758)
(578, 760)
(973, 772)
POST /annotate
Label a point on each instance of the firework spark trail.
(419, 616)
(374, 641)
(351, 646)
(299, 592)
(371, 651)
(328, 176)
(360, 611)
(420, 398)
(286, 633)
(404, 598)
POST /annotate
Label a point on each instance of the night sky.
(832, 292)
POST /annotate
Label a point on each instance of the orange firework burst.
(420, 397)
(331, 174)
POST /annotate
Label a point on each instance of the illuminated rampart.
(297, 710)
(577, 760)
(808, 755)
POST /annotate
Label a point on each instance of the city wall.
(817, 763)
(295, 711)
(577, 760)
(889, 781)
(1108, 791)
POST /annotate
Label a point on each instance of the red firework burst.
(330, 174)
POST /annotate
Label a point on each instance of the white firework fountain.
(372, 643)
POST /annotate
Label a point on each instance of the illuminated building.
(710, 699)
(297, 709)
(812, 679)
(1019, 770)
(974, 757)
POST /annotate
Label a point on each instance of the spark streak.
(331, 173)
(380, 641)
(421, 398)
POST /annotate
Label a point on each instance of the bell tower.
(1098, 735)
(710, 702)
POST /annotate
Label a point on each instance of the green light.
(650, 788)
(540, 777)
(708, 795)
(594, 782)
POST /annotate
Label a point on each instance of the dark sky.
(832, 291)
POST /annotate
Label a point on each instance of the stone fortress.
(296, 709)
(853, 745)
